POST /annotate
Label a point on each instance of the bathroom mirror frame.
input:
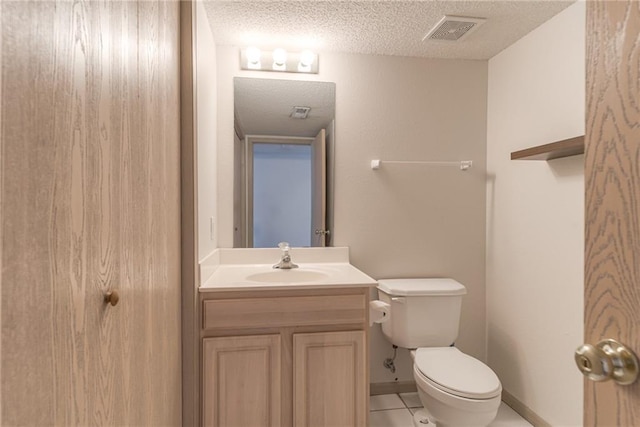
(267, 119)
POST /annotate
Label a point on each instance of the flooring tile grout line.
(406, 405)
(402, 400)
(390, 409)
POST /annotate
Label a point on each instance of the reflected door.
(286, 183)
(281, 198)
(319, 190)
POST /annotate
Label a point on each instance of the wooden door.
(319, 190)
(241, 381)
(90, 204)
(329, 379)
(612, 185)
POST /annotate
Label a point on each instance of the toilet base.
(421, 419)
(448, 410)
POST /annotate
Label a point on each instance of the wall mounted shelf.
(554, 150)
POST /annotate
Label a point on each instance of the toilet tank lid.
(424, 286)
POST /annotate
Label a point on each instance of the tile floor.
(393, 410)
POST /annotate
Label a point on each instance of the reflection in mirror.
(283, 155)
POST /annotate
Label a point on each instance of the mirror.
(283, 162)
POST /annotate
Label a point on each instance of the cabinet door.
(241, 385)
(330, 381)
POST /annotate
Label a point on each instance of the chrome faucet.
(285, 260)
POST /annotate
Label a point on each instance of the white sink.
(288, 276)
(251, 269)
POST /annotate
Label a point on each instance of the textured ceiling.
(375, 27)
(263, 106)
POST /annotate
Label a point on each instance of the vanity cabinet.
(285, 358)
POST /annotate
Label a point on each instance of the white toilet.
(424, 315)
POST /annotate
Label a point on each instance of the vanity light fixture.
(279, 59)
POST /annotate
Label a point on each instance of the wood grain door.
(241, 381)
(90, 204)
(612, 181)
(329, 379)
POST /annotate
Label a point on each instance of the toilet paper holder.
(378, 312)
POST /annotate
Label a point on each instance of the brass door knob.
(112, 297)
(607, 360)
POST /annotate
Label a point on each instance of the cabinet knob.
(112, 297)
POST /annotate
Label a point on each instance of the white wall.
(535, 218)
(206, 131)
(399, 221)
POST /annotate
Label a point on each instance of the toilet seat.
(451, 371)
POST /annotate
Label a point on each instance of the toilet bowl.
(456, 389)
(424, 315)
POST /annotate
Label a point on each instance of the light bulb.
(279, 57)
(306, 58)
(253, 55)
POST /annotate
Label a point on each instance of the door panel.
(612, 185)
(90, 203)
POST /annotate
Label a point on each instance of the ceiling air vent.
(454, 28)
(300, 112)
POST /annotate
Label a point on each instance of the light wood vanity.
(285, 357)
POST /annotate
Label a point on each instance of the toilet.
(454, 388)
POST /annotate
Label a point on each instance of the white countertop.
(252, 269)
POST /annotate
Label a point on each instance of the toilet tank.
(423, 312)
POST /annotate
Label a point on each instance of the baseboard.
(393, 387)
(524, 411)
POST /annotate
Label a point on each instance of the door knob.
(112, 297)
(607, 360)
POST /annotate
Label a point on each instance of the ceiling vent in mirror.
(300, 112)
(454, 28)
